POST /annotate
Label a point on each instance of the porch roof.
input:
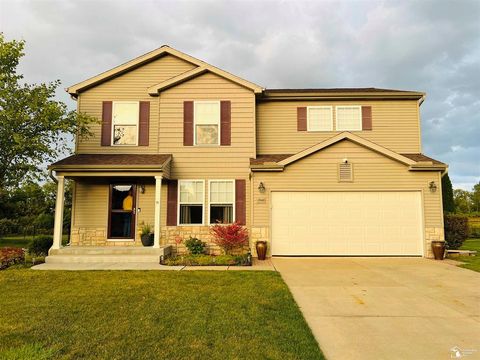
(88, 163)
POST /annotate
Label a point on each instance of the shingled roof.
(120, 160)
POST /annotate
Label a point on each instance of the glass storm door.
(121, 220)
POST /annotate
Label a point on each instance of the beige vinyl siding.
(209, 162)
(130, 86)
(200, 161)
(90, 204)
(395, 126)
(371, 172)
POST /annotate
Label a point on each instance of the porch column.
(58, 227)
(158, 201)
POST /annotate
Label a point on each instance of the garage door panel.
(346, 223)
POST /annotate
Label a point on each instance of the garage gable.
(347, 136)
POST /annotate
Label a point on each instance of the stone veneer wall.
(170, 233)
(84, 236)
(97, 237)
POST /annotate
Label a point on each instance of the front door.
(121, 220)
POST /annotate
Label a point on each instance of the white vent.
(345, 172)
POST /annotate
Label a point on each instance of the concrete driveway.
(387, 308)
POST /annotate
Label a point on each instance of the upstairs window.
(207, 122)
(349, 118)
(222, 201)
(190, 204)
(125, 123)
(319, 118)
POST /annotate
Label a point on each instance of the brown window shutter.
(366, 118)
(172, 203)
(301, 119)
(188, 123)
(240, 204)
(144, 123)
(106, 123)
(225, 123)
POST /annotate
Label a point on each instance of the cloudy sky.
(431, 46)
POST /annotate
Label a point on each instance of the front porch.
(114, 196)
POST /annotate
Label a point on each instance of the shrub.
(10, 256)
(229, 237)
(456, 230)
(209, 260)
(40, 245)
(195, 246)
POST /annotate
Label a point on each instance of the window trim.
(195, 122)
(234, 202)
(348, 106)
(319, 107)
(113, 122)
(179, 202)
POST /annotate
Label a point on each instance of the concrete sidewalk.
(387, 308)
(265, 265)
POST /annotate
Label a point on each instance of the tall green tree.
(447, 195)
(475, 196)
(34, 127)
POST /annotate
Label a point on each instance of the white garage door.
(346, 223)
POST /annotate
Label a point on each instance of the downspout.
(50, 174)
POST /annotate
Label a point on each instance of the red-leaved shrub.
(229, 237)
(10, 256)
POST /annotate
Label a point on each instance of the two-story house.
(182, 144)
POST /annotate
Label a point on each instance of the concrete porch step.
(118, 250)
(99, 258)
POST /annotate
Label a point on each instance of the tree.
(447, 195)
(475, 196)
(34, 127)
(463, 202)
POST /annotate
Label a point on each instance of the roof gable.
(354, 138)
(74, 90)
(157, 88)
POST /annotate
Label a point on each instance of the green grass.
(19, 240)
(150, 315)
(15, 241)
(471, 262)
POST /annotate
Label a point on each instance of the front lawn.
(150, 315)
(15, 241)
(22, 241)
(471, 262)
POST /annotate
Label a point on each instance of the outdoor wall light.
(261, 188)
(142, 189)
(432, 186)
